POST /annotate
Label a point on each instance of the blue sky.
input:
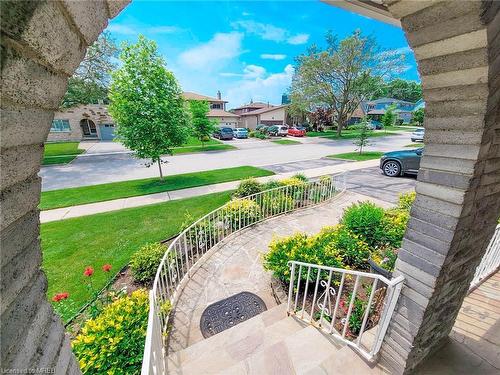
(244, 49)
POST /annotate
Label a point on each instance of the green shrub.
(252, 134)
(301, 177)
(145, 262)
(365, 219)
(277, 203)
(385, 257)
(271, 184)
(248, 187)
(113, 342)
(406, 200)
(351, 247)
(299, 247)
(394, 225)
(241, 212)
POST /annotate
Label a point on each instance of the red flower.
(89, 271)
(106, 267)
(60, 296)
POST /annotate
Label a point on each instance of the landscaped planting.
(71, 245)
(366, 236)
(145, 262)
(113, 342)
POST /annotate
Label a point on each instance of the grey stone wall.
(458, 189)
(42, 44)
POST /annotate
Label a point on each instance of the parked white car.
(418, 135)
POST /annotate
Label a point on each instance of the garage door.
(107, 132)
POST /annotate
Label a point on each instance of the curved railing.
(185, 251)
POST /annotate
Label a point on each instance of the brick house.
(217, 109)
(90, 121)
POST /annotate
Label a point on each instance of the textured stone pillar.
(42, 44)
(457, 45)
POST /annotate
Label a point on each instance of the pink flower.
(106, 267)
(60, 296)
(89, 271)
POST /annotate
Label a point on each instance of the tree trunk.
(161, 172)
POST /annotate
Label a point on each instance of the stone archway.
(457, 48)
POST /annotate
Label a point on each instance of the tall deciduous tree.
(401, 89)
(147, 103)
(89, 84)
(342, 75)
(203, 127)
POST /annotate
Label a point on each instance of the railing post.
(290, 288)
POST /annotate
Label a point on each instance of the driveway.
(371, 182)
(97, 169)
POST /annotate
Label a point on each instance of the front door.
(89, 130)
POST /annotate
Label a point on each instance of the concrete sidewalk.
(143, 200)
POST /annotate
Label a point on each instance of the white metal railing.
(344, 303)
(490, 262)
(186, 250)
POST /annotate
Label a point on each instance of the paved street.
(92, 168)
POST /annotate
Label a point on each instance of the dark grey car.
(224, 133)
(397, 163)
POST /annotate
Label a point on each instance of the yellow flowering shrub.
(241, 211)
(113, 342)
(406, 200)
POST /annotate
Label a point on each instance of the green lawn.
(60, 152)
(415, 145)
(367, 155)
(194, 145)
(124, 189)
(71, 245)
(348, 134)
(286, 142)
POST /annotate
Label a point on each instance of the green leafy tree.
(147, 103)
(400, 89)
(89, 84)
(341, 75)
(362, 135)
(418, 116)
(203, 127)
(389, 117)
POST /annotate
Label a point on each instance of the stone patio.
(235, 265)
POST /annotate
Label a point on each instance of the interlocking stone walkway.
(236, 265)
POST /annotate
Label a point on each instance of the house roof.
(255, 105)
(221, 113)
(264, 110)
(376, 112)
(194, 96)
(383, 100)
(358, 112)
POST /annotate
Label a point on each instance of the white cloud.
(221, 48)
(246, 14)
(298, 39)
(264, 87)
(271, 56)
(249, 72)
(270, 32)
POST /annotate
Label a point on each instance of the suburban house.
(250, 107)
(375, 109)
(272, 115)
(89, 121)
(217, 109)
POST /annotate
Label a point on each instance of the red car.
(297, 132)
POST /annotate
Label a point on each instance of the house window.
(60, 126)
(88, 128)
(216, 106)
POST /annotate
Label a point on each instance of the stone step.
(234, 344)
(302, 352)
